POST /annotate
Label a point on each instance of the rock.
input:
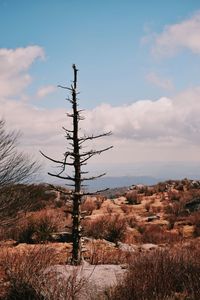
(188, 231)
(8, 243)
(148, 247)
(152, 218)
(92, 279)
(62, 237)
(126, 247)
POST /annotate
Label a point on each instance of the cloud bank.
(174, 38)
(164, 119)
(162, 129)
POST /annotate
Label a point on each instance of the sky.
(139, 76)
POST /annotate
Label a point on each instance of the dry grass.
(132, 197)
(24, 270)
(109, 227)
(101, 253)
(31, 275)
(88, 206)
(37, 227)
(161, 275)
(158, 235)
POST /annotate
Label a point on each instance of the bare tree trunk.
(79, 159)
(76, 230)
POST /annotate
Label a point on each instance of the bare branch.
(56, 161)
(94, 152)
(92, 137)
(65, 87)
(15, 166)
(67, 130)
(59, 190)
(93, 177)
(96, 192)
(61, 177)
(83, 161)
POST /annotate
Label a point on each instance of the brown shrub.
(160, 275)
(100, 253)
(92, 203)
(161, 187)
(19, 198)
(150, 191)
(171, 219)
(176, 208)
(157, 235)
(174, 196)
(88, 206)
(109, 227)
(147, 206)
(109, 209)
(127, 209)
(31, 275)
(156, 209)
(131, 221)
(24, 270)
(37, 227)
(194, 219)
(132, 197)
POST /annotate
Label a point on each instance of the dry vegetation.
(154, 231)
(161, 274)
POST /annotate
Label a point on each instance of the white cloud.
(157, 127)
(46, 90)
(160, 82)
(14, 65)
(185, 34)
(141, 120)
(163, 129)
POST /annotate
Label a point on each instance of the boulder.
(62, 237)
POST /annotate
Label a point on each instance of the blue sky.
(104, 39)
(137, 59)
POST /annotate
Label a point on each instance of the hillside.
(119, 227)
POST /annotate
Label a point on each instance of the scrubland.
(151, 232)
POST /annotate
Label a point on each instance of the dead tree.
(15, 166)
(76, 158)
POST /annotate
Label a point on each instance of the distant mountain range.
(154, 173)
(114, 182)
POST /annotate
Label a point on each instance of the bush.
(160, 275)
(133, 198)
(38, 227)
(172, 220)
(111, 228)
(194, 219)
(24, 271)
(101, 253)
(174, 196)
(88, 206)
(32, 276)
(157, 235)
(147, 206)
(131, 221)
